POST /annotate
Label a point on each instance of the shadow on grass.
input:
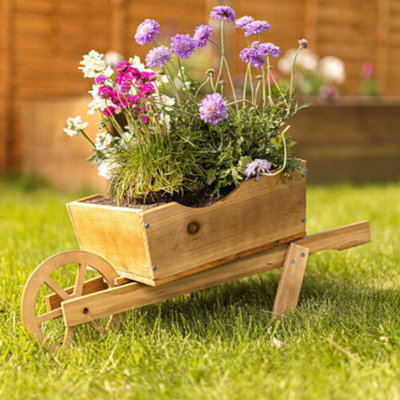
(325, 304)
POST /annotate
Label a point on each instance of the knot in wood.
(193, 227)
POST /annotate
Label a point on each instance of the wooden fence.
(42, 42)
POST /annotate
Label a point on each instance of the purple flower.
(182, 45)
(213, 109)
(303, 43)
(223, 12)
(257, 51)
(201, 34)
(256, 167)
(157, 57)
(147, 31)
(269, 49)
(100, 79)
(251, 55)
(327, 93)
(256, 27)
(243, 21)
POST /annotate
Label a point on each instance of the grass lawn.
(343, 342)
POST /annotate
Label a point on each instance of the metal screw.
(147, 226)
(154, 267)
(292, 261)
(304, 219)
(304, 174)
(303, 254)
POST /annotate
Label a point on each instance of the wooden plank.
(135, 295)
(6, 33)
(291, 280)
(116, 233)
(204, 267)
(381, 55)
(248, 220)
(118, 25)
(251, 217)
(310, 25)
(97, 284)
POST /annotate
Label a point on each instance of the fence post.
(118, 26)
(381, 43)
(6, 84)
(310, 23)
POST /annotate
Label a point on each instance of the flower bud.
(210, 72)
(303, 43)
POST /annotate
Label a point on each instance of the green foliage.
(370, 87)
(153, 137)
(151, 163)
(221, 343)
(249, 133)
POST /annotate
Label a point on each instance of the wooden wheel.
(33, 318)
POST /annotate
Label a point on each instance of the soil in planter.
(198, 195)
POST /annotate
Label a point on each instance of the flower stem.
(282, 135)
(263, 80)
(245, 85)
(222, 55)
(292, 71)
(269, 82)
(87, 137)
(240, 101)
(202, 85)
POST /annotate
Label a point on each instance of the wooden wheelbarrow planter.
(144, 257)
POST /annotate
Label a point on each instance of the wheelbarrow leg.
(291, 280)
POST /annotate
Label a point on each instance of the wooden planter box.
(171, 241)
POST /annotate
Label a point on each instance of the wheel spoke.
(56, 288)
(80, 279)
(69, 333)
(41, 276)
(115, 321)
(99, 328)
(57, 313)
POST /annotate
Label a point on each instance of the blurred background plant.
(369, 85)
(42, 41)
(314, 76)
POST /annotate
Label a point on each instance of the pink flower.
(147, 88)
(100, 79)
(105, 92)
(109, 110)
(367, 70)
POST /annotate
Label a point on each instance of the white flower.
(93, 65)
(162, 79)
(165, 120)
(97, 103)
(105, 168)
(332, 69)
(306, 59)
(103, 141)
(165, 102)
(135, 61)
(74, 125)
(112, 59)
